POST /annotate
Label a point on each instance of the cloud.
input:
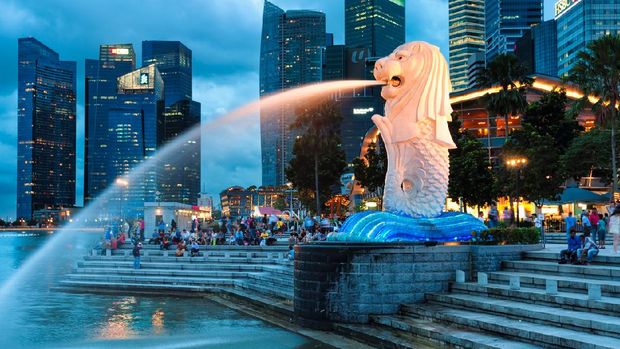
(219, 95)
(16, 18)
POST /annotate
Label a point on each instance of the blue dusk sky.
(224, 36)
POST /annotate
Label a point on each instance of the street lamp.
(290, 211)
(517, 163)
(122, 183)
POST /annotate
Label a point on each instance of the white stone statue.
(415, 129)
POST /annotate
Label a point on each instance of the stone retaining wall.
(344, 282)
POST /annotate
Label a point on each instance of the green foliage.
(317, 154)
(506, 236)
(589, 151)
(471, 179)
(280, 204)
(546, 134)
(597, 72)
(371, 175)
(511, 75)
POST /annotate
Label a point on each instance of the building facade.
(135, 129)
(292, 46)
(506, 21)
(580, 22)
(180, 174)
(378, 25)
(101, 90)
(46, 124)
(174, 62)
(467, 38)
(545, 39)
(475, 67)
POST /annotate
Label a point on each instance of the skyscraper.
(101, 91)
(179, 180)
(378, 25)
(292, 45)
(466, 27)
(545, 38)
(135, 129)
(45, 129)
(174, 62)
(506, 21)
(581, 21)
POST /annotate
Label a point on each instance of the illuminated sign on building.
(119, 51)
(144, 78)
(363, 111)
(562, 6)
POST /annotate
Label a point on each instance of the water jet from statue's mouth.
(395, 81)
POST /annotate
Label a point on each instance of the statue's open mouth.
(395, 81)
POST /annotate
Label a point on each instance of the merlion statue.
(417, 139)
(415, 128)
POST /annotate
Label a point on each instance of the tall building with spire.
(46, 124)
(292, 45)
(466, 30)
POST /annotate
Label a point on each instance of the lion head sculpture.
(417, 87)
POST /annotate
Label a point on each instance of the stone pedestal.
(347, 282)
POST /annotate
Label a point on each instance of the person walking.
(614, 227)
(136, 255)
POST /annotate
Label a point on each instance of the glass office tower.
(135, 129)
(378, 25)
(292, 45)
(545, 48)
(466, 27)
(174, 62)
(506, 21)
(101, 91)
(581, 21)
(46, 122)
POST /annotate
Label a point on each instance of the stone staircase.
(556, 238)
(497, 314)
(261, 275)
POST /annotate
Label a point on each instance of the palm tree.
(510, 74)
(597, 72)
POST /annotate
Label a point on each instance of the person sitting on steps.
(180, 249)
(588, 250)
(574, 243)
(195, 249)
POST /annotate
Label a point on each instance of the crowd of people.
(595, 226)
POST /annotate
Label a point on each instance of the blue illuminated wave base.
(381, 226)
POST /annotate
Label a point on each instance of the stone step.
(280, 292)
(279, 280)
(602, 272)
(165, 273)
(212, 254)
(566, 300)
(404, 332)
(285, 270)
(565, 283)
(200, 281)
(537, 334)
(554, 256)
(604, 325)
(282, 306)
(95, 285)
(173, 259)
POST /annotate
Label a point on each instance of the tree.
(471, 179)
(318, 158)
(547, 132)
(511, 75)
(589, 152)
(597, 72)
(370, 170)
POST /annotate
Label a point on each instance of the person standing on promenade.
(571, 222)
(614, 227)
(136, 255)
(602, 231)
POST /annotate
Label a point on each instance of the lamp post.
(517, 163)
(122, 183)
(290, 211)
